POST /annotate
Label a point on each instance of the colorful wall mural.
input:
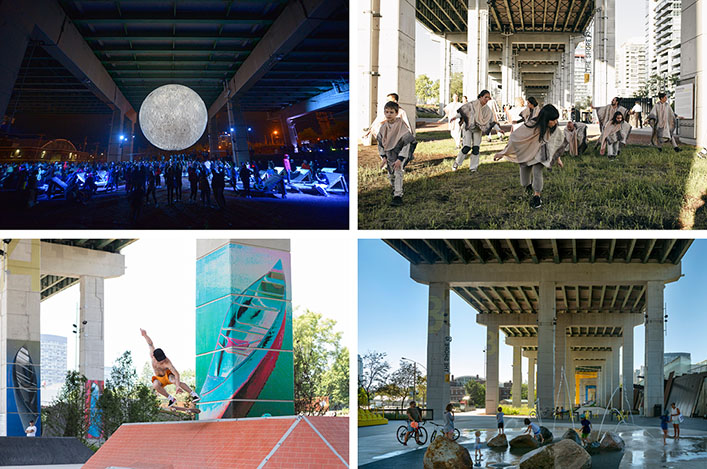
(23, 390)
(94, 389)
(244, 362)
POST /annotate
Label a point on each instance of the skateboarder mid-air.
(166, 373)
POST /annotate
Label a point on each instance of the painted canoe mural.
(249, 366)
(24, 397)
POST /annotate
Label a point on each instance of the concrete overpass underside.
(557, 301)
(32, 271)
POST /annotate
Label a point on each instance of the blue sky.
(393, 314)
(427, 51)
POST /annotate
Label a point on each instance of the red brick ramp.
(266, 442)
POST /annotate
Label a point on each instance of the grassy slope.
(642, 189)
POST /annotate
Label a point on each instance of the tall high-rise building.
(663, 37)
(631, 68)
(581, 89)
(53, 359)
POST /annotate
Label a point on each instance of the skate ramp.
(266, 442)
(21, 450)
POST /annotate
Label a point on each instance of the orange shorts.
(164, 380)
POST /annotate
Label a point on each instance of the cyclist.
(414, 419)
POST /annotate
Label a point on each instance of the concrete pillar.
(91, 355)
(546, 346)
(615, 382)
(397, 62)
(627, 371)
(531, 382)
(445, 57)
(517, 375)
(289, 131)
(491, 368)
(212, 130)
(571, 384)
(20, 376)
(560, 392)
(438, 341)
(483, 45)
(115, 144)
(653, 389)
(368, 55)
(506, 72)
(604, 52)
(476, 65)
(600, 386)
(693, 69)
(131, 138)
(240, 140)
(570, 82)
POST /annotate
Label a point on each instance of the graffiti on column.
(94, 389)
(23, 398)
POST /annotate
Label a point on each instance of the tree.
(335, 382)
(374, 372)
(315, 346)
(67, 416)
(456, 85)
(426, 89)
(523, 391)
(657, 84)
(476, 392)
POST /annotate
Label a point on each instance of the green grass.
(510, 410)
(641, 189)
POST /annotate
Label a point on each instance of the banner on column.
(23, 386)
(94, 389)
(244, 364)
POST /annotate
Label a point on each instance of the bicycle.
(456, 436)
(420, 434)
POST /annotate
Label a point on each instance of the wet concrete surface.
(378, 447)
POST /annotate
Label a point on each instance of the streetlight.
(414, 380)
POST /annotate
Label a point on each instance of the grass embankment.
(642, 189)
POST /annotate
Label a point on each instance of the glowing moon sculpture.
(173, 117)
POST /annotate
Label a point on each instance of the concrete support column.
(571, 384)
(397, 61)
(476, 65)
(491, 368)
(445, 57)
(438, 341)
(483, 46)
(91, 349)
(517, 375)
(506, 72)
(240, 140)
(560, 392)
(531, 382)
(604, 52)
(115, 144)
(19, 336)
(693, 69)
(368, 54)
(132, 140)
(570, 71)
(289, 131)
(212, 130)
(615, 382)
(600, 386)
(546, 348)
(627, 371)
(653, 389)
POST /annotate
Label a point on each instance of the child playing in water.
(535, 429)
(477, 445)
(586, 428)
(499, 420)
(664, 424)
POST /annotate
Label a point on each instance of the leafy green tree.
(374, 372)
(426, 89)
(335, 382)
(456, 85)
(657, 84)
(476, 392)
(315, 346)
(67, 414)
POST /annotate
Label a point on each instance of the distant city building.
(457, 390)
(53, 359)
(504, 391)
(631, 68)
(678, 363)
(581, 89)
(663, 37)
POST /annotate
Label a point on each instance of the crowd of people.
(32, 182)
(534, 142)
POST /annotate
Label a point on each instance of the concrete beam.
(321, 101)
(530, 76)
(528, 56)
(46, 21)
(517, 38)
(71, 261)
(294, 24)
(566, 319)
(591, 363)
(571, 341)
(561, 274)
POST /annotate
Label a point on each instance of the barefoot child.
(533, 428)
(499, 420)
(477, 445)
(586, 428)
(664, 424)
(449, 422)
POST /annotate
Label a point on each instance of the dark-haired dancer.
(476, 118)
(535, 144)
(662, 119)
(606, 113)
(165, 373)
(531, 110)
(612, 136)
(393, 135)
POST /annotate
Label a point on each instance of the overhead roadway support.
(506, 71)
(546, 346)
(231, 123)
(115, 141)
(603, 53)
(445, 62)
(91, 350)
(20, 338)
(517, 376)
(491, 367)
(560, 392)
(477, 55)
(438, 348)
(289, 130)
(531, 380)
(653, 399)
(241, 153)
(693, 69)
(368, 50)
(397, 59)
(627, 366)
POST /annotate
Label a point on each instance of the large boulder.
(498, 441)
(610, 441)
(547, 435)
(524, 441)
(565, 454)
(571, 434)
(444, 453)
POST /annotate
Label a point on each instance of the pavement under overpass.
(32, 271)
(563, 300)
